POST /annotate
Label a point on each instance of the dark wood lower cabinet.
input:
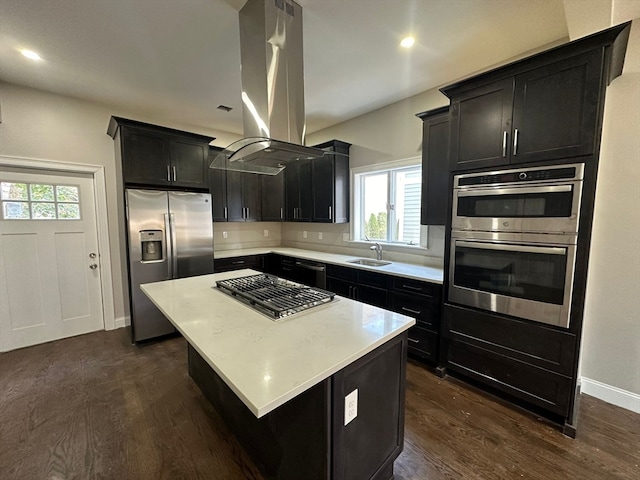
(527, 361)
(306, 437)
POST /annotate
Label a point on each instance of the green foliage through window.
(24, 201)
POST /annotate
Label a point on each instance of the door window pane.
(43, 210)
(35, 201)
(14, 191)
(66, 193)
(15, 210)
(41, 192)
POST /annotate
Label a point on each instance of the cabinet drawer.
(344, 273)
(373, 279)
(413, 287)
(237, 263)
(537, 386)
(526, 341)
(423, 343)
(426, 312)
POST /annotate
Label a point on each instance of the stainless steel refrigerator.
(170, 235)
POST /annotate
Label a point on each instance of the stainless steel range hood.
(272, 74)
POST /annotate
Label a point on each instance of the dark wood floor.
(96, 407)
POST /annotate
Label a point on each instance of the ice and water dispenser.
(151, 243)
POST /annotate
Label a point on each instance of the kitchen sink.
(369, 262)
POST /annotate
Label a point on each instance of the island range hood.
(272, 74)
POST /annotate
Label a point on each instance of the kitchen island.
(284, 387)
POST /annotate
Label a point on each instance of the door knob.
(93, 266)
(92, 255)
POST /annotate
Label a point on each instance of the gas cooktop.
(274, 296)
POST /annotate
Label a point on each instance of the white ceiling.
(179, 59)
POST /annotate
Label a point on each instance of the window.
(387, 203)
(35, 201)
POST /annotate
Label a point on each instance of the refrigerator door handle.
(174, 244)
(168, 245)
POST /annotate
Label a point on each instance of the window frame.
(357, 198)
(31, 202)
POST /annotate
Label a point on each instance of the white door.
(49, 259)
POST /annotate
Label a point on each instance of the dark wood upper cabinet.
(298, 193)
(273, 197)
(543, 108)
(331, 184)
(218, 189)
(243, 197)
(435, 166)
(160, 157)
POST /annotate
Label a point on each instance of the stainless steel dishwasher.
(306, 272)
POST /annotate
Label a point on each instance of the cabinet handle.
(226, 216)
(237, 262)
(168, 173)
(515, 142)
(415, 312)
(330, 212)
(281, 213)
(411, 287)
(504, 143)
(247, 217)
(174, 174)
(413, 340)
(355, 293)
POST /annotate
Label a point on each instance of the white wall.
(41, 125)
(610, 355)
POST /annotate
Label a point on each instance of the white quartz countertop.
(399, 269)
(266, 362)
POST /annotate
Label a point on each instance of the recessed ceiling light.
(407, 42)
(30, 54)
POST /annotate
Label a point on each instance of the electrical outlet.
(319, 235)
(345, 237)
(304, 234)
(266, 233)
(225, 235)
(351, 406)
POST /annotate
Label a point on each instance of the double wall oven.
(513, 241)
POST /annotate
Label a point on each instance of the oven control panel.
(540, 174)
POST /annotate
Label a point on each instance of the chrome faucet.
(378, 248)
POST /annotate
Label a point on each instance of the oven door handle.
(513, 248)
(514, 191)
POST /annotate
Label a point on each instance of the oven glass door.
(544, 208)
(525, 281)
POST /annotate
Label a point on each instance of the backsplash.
(246, 235)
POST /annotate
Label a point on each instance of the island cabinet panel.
(367, 446)
(229, 264)
(435, 166)
(161, 157)
(306, 438)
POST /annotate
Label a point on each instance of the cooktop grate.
(274, 296)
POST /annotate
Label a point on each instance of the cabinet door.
(340, 287)
(481, 126)
(306, 191)
(292, 192)
(145, 157)
(323, 189)
(235, 201)
(273, 197)
(218, 189)
(555, 111)
(371, 295)
(435, 170)
(252, 196)
(188, 163)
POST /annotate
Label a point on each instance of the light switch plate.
(304, 234)
(351, 406)
(345, 237)
(319, 235)
(266, 233)
(225, 234)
